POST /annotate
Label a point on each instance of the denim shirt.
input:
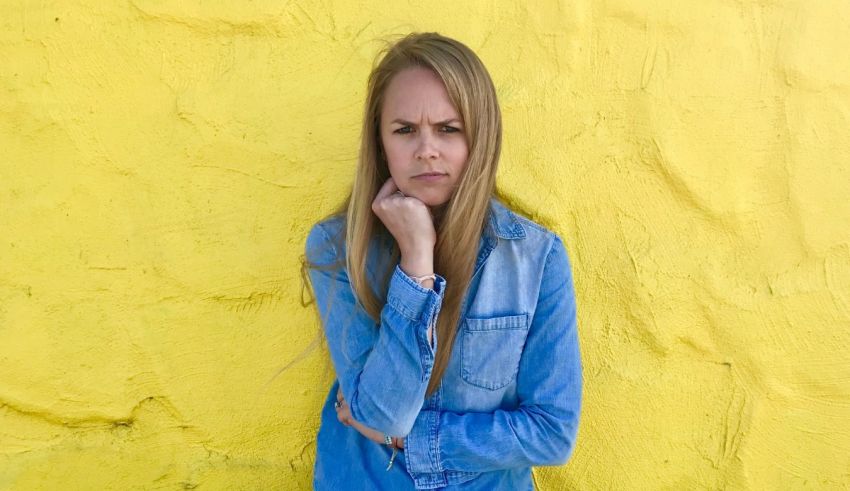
(510, 396)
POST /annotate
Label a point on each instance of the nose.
(427, 149)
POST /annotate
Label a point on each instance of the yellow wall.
(161, 162)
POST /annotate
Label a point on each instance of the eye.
(450, 129)
(403, 130)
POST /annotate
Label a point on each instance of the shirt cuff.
(411, 299)
(420, 446)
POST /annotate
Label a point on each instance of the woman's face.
(422, 135)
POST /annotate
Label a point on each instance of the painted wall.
(161, 163)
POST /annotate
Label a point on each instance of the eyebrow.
(439, 123)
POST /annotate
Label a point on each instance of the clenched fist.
(408, 219)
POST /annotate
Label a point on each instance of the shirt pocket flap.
(495, 323)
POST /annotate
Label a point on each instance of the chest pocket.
(491, 350)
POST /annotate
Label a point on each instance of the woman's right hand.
(408, 220)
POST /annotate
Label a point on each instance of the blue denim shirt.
(510, 396)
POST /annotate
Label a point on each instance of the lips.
(431, 177)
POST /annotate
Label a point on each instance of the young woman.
(450, 319)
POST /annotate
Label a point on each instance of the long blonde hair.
(458, 233)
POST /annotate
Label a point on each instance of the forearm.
(528, 436)
(389, 390)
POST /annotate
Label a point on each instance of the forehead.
(417, 92)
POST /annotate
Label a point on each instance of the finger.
(387, 189)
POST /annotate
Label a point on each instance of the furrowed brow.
(440, 123)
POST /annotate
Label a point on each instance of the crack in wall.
(90, 420)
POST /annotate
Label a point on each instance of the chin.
(430, 200)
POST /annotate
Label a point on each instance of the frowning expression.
(422, 136)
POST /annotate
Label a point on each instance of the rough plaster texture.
(161, 163)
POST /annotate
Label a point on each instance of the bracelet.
(420, 279)
(388, 440)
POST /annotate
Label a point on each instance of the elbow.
(563, 443)
(383, 419)
(556, 452)
(402, 424)
(400, 428)
(394, 425)
(562, 455)
(558, 439)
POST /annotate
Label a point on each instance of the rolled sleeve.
(420, 446)
(411, 299)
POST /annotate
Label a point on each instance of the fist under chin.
(429, 199)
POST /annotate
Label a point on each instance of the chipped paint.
(161, 163)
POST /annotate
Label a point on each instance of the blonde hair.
(459, 231)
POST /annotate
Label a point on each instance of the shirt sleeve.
(543, 429)
(384, 368)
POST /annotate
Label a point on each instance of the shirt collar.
(504, 222)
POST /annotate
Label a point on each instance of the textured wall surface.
(161, 163)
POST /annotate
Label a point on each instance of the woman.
(450, 319)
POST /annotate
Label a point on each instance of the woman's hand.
(408, 220)
(343, 414)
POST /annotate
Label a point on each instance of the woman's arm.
(383, 370)
(542, 431)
